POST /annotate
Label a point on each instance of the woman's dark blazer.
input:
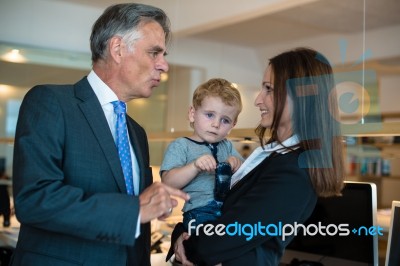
(276, 191)
(69, 189)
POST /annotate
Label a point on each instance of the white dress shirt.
(106, 96)
(259, 154)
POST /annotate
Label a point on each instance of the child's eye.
(225, 121)
(210, 115)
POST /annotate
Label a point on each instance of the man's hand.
(156, 201)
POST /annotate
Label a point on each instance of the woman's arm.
(276, 192)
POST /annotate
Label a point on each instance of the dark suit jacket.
(276, 191)
(69, 189)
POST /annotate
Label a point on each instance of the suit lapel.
(248, 178)
(138, 152)
(91, 108)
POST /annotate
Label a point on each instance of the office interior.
(47, 41)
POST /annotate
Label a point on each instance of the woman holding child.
(299, 159)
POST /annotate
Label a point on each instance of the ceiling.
(310, 20)
(304, 21)
(315, 18)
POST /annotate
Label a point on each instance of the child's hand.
(235, 163)
(205, 163)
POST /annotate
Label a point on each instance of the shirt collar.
(102, 91)
(203, 142)
(286, 146)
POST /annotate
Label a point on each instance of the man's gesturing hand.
(157, 201)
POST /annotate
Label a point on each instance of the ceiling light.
(13, 56)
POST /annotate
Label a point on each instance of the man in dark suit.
(69, 187)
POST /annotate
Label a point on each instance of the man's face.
(142, 65)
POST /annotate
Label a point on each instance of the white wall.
(58, 25)
(236, 64)
(47, 24)
(382, 43)
(245, 66)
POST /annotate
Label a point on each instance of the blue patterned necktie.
(122, 142)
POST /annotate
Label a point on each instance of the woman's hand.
(180, 250)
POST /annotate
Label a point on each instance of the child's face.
(213, 120)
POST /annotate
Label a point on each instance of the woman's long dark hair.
(307, 77)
